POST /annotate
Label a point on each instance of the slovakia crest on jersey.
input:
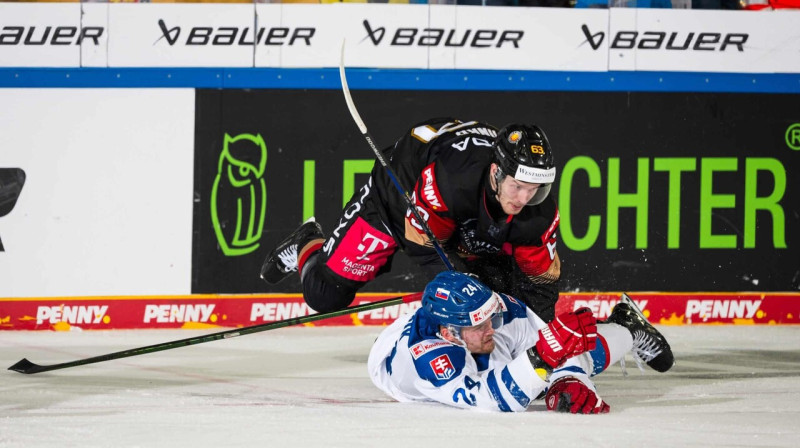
(443, 368)
(442, 294)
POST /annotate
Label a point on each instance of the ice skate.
(649, 345)
(282, 261)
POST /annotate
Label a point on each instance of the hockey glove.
(569, 394)
(568, 335)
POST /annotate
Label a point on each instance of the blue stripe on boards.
(400, 79)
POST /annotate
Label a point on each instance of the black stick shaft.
(403, 192)
(25, 366)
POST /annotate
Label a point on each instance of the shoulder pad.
(513, 308)
(440, 363)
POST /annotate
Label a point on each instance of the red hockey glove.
(569, 394)
(570, 334)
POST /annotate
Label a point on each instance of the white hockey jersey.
(410, 363)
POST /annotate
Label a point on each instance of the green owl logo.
(239, 189)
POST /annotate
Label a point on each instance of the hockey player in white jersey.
(470, 347)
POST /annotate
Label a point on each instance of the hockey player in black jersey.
(484, 194)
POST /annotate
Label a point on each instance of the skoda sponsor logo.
(233, 35)
(441, 37)
(667, 40)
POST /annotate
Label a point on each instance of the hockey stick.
(25, 366)
(409, 202)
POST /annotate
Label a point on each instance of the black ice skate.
(649, 345)
(282, 261)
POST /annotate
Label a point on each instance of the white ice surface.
(732, 386)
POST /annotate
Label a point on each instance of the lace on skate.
(288, 259)
(285, 257)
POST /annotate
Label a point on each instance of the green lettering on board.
(710, 201)
(568, 237)
(674, 166)
(637, 200)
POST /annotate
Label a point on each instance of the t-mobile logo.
(11, 181)
(373, 242)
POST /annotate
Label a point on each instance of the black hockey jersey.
(447, 161)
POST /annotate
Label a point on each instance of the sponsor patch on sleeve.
(430, 190)
(423, 347)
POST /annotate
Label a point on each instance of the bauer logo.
(50, 35)
(239, 194)
(595, 40)
(233, 35)
(668, 40)
(441, 37)
(11, 182)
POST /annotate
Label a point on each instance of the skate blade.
(625, 298)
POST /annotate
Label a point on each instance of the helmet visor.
(495, 321)
(540, 194)
(533, 175)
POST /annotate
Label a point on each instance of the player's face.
(479, 339)
(513, 194)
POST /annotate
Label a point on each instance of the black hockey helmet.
(523, 152)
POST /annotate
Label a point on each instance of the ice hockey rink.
(733, 386)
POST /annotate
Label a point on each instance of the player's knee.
(323, 293)
(328, 299)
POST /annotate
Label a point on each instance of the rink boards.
(149, 161)
(212, 311)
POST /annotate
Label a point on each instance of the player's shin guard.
(324, 291)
